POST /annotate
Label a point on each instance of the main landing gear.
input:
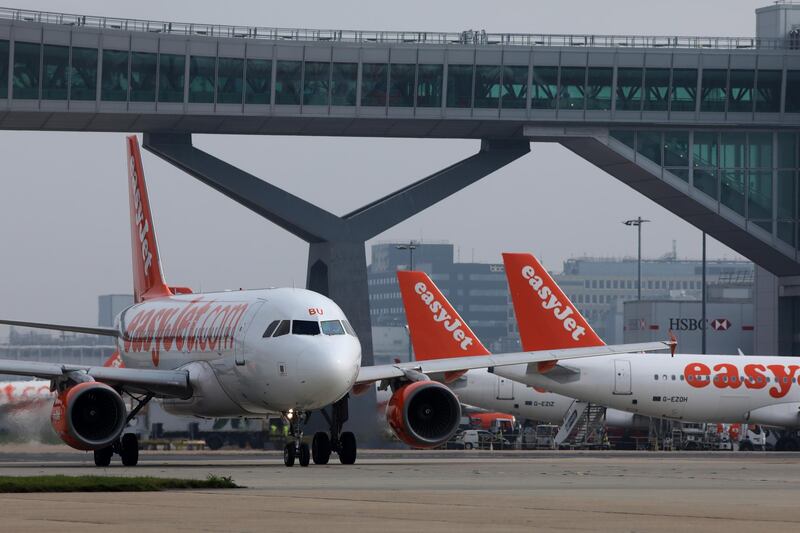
(127, 447)
(323, 444)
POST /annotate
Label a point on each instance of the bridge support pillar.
(337, 256)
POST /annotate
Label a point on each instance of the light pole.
(638, 221)
(411, 246)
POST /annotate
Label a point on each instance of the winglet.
(148, 280)
(437, 331)
(547, 319)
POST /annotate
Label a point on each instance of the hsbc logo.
(720, 324)
(695, 324)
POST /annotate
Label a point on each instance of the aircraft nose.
(332, 368)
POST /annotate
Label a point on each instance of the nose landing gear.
(296, 449)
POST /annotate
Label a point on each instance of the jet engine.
(423, 414)
(89, 415)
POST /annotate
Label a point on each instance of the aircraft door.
(240, 345)
(622, 377)
(505, 389)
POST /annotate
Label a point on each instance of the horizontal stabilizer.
(105, 332)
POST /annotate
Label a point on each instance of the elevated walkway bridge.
(708, 127)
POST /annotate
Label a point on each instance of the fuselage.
(248, 351)
(696, 388)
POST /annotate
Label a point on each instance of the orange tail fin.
(436, 329)
(148, 280)
(547, 319)
(114, 360)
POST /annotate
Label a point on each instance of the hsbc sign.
(695, 324)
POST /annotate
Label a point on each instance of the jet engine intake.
(89, 415)
(423, 414)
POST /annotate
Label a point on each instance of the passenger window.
(655, 377)
(283, 328)
(348, 328)
(332, 327)
(271, 328)
(689, 377)
(673, 377)
(305, 327)
(681, 376)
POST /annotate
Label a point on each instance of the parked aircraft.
(691, 387)
(246, 353)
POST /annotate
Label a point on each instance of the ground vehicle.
(482, 440)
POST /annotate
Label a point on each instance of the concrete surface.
(423, 491)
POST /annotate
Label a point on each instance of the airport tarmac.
(425, 491)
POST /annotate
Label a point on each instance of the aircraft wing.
(172, 383)
(106, 332)
(369, 374)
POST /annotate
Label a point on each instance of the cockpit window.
(283, 328)
(348, 328)
(271, 328)
(332, 327)
(305, 327)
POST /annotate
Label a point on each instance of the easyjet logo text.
(753, 376)
(142, 226)
(197, 326)
(562, 311)
(441, 316)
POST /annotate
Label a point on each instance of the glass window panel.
(684, 89)
(401, 88)
(760, 150)
(143, 77)
(459, 85)
(733, 150)
(705, 155)
(305, 327)
(201, 79)
(26, 70)
(114, 85)
(648, 144)
(573, 88)
(787, 205)
(740, 95)
(625, 136)
(732, 189)
(676, 149)
(83, 74)
(656, 89)
(629, 89)
(373, 84)
(230, 80)
(344, 84)
(768, 94)
(682, 173)
(487, 86)
(55, 63)
(759, 199)
(714, 90)
(4, 50)
(792, 91)
(287, 82)
(598, 88)
(258, 81)
(544, 87)
(787, 150)
(429, 85)
(316, 83)
(171, 77)
(515, 87)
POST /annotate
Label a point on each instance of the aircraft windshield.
(305, 327)
(332, 327)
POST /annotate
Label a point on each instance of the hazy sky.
(64, 223)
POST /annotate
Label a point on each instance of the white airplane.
(481, 388)
(696, 388)
(244, 353)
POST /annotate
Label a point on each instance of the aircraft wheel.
(467, 445)
(129, 449)
(214, 442)
(288, 454)
(321, 448)
(347, 448)
(102, 457)
(305, 455)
